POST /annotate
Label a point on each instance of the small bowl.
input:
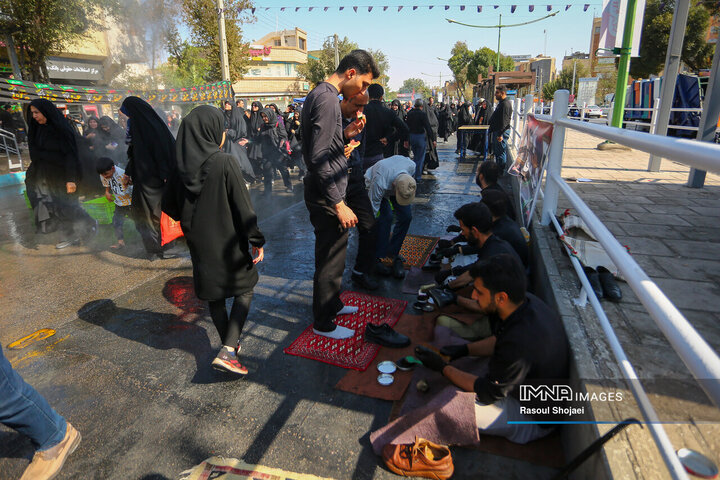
(387, 367)
(385, 379)
(697, 464)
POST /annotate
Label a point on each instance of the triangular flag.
(531, 8)
(400, 8)
(267, 8)
(355, 8)
(252, 10)
(567, 7)
(385, 8)
(297, 8)
(512, 8)
(430, 7)
(479, 9)
(496, 6)
(415, 7)
(462, 8)
(342, 8)
(325, 9)
(370, 9)
(310, 9)
(587, 5)
(549, 7)
(282, 9)
(447, 7)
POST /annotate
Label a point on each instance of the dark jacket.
(381, 123)
(509, 231)
(417, 122)
(501, 117)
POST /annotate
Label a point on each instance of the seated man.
(529, 344)
(391, 187)
(487, 177)
(503, 226)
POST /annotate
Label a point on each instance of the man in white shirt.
(391, 187)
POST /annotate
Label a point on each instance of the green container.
(27, 200)
(100, 209)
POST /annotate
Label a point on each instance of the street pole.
(572, 87)
(224, 62)
(672, 68)
(624, 65)
(12, 54)
(337, 54)
(497, 69)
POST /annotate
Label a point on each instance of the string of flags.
(370, 8)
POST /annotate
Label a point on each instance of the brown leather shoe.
(420, 459)
(46, 464)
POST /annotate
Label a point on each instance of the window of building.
(597, 30)
(277, 42)
(302, 44)
(289, 41)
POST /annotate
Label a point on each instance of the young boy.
(112, 179)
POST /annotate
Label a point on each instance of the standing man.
(420, 132)
(383, 126)
(326, 183)
(500, 126)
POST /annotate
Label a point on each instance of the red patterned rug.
(354, 352)
(415, 250)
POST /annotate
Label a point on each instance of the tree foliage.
(564, 81)
(467, 65)
(696, 53)
(319, 68)
(40, 27)
(416, 85)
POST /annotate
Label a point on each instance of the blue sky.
(414, 39)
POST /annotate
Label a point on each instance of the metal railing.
(697, 355)
(8, 147)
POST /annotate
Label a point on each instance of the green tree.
(318, 69)
(564, 81)
(40, 27)
(467, 65)
(606, 85)
(696, 53)
(202, 18)
(458, 64)
(417, 85)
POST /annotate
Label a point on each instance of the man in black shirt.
(502, 226)
(500, 125)
(326, 183)
(420, 130)
(382, 124)
(528, 347)
(487, 178)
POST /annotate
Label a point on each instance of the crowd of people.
(354, 155)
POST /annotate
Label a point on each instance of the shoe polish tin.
(386, 367)
(385, 379)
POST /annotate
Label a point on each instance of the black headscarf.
(56, 124)
(271, 115)
(235, 121)
(88, 128)
(116, 130)
(153, 145)
(255, 118)
(199, 138)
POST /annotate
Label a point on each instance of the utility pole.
(12, 54)
(624, 65)
(224, 62)
(572, 87)
(337, 54)
(497, 69)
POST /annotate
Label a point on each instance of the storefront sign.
(67, 69)
(259, 52)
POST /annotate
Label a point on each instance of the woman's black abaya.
(151, 154)
(254, 123)
(236, 131)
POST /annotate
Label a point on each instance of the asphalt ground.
(129, 363)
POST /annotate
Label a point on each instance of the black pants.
(330, 250)
(358, 200)
(230, 328)
(146, 215)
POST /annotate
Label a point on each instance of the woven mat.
(354, 352)
(219, 468)
(420, 330)
(415, 250)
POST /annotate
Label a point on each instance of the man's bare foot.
(120, 244)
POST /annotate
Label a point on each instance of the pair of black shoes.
(365, 281)
(397, 269)
(603, 283)
(385, 335)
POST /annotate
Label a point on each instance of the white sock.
(348, 310)
(340, 333)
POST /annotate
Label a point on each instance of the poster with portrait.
(530, 162)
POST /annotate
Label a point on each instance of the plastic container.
(100, 209)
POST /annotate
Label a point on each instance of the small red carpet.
(353, 352)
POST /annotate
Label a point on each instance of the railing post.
(555, 155)
(516, 113)
(654, 163)
(552, 108)
(582, 113)
(610, 113)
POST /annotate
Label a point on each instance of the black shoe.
(443, 243)
(382, 269)
(398, 267)
(453, 228)
(384, 335)
(442, 297)
(363, 280)
(594, 280)
(610, 288)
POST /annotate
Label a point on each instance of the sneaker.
(228, 362)
(398, 267)
(67, 243)
(46, 464)
(382, 269)
(420, 459)
(363, 280)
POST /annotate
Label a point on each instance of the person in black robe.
(464, 118)
(236, 133)
(477, 141)
(254, 122)
(292, 127)
(208, 195)
(89, 184)
(431, 156)
(272, 140)
(111, 142)
(453, 117)
(444, 121)
(53, 175)
(151, 154)
(395, 145)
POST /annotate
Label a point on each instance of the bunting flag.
(531, 8)
(447, 7)
(325, 9)
(496, 7)
(282, 9)
(430, 7)
(297, 8)
(462, 8)
(479, 8)
(370, 8)
(400, 8)
(385, 8)
(310, 9)
(342, 8)
(355, 9)
(253, 11)
(567, 7)
(587, 5)
(414, 7)
(513, 8)
(549, 8)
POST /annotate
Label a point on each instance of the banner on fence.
(530, 163)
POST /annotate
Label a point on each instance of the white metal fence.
(697, 355)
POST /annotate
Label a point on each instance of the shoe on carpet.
(420, 459)
(228, 362)
(382, 269)
(610, 288)
(385, 335)
(364, 280)
(46, 464)
(398, 267)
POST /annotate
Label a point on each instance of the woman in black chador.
(237, 137)
(111, 141)
(209, 197)
(151, 161)
(54, 173)
(272, 139)
(254, 122)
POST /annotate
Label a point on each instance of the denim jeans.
(118, 220)
(22, 408)
(500, 148)
(461, 143)
(419, 146)
(387, 246)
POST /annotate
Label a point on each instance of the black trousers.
(330, 250)
(146, 215)
(230, 327)
(358, 200)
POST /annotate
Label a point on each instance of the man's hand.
(354, 129)
(430, 359)
(348, 151)
(243, 141)
(455, 351)
(126, 181)
(70, 187)
(258, 254)
(108, 196)
(345, 215)
(384, 141)
(500, 139)
(434, 144)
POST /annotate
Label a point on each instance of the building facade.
(541, 66)
(272, 76)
